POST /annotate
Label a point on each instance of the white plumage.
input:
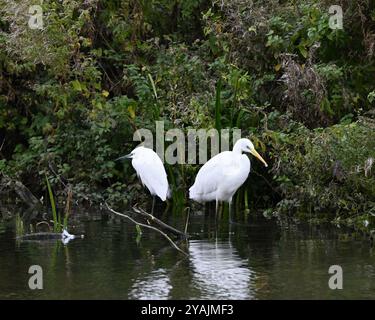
(220, 177)
(151, 171)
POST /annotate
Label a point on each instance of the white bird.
(222, 175)
(151, 171)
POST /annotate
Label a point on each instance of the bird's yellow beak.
(256, 154)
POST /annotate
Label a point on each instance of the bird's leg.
(230, 220)
(153, 205)
(216, 210)
(230, 211)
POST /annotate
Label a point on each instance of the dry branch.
(160, 223)
(147, 226)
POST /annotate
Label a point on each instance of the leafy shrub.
(327, 171)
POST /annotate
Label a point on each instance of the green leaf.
(303, 51)
(139, 230)
(76, 85)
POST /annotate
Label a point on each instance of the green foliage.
(218, 106)
(266, 41)
(329, 172)
(72, 94)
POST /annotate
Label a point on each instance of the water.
(262, 261)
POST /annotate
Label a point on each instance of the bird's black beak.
(128, 156)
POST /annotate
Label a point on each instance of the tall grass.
(177, 194)
(56, 218)
(153, 86)
(20, 229)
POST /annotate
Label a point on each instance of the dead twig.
(159, 222)
(146, 226)
(187, 219)
(2, 145)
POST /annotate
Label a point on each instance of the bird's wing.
(152, 173)
(210, 175)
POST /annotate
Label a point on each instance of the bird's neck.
(237, 149)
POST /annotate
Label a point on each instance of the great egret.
(151, 171)
(222, 175)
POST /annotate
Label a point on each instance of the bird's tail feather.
(192, 193)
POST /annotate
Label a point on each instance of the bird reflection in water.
(217, 272)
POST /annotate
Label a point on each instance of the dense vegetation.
(73, 93)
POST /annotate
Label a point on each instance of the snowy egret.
(151, 171)
(222, 175)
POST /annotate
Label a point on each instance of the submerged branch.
(146, 226)
(160, 223)
(40, 236)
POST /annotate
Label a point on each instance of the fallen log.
(40, 236)
(26, 195)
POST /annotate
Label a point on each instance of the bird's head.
(245, 145)
(131, 155)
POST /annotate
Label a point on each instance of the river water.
(263, 260)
